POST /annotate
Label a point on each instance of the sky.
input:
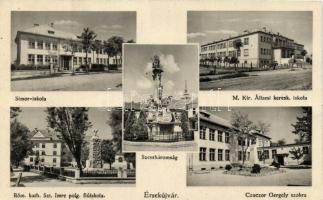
(280, 119)
(180, 63)
(35, 117)
(208, 26)
(104, 24)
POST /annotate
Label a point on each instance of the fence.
(75, 173)
(172, 137)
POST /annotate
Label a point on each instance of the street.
(217, 178)
(300, 79)
(80, 82)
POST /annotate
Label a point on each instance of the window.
(84, 60)
(43, 146)
(212, 154)
(266, 154)
(80, 60)
(31, 58)
(54, 59)
(37, 145)
(43, 153)
(54, 46)
(227, 138)
(227, 155)
(259, 155)
(246, 41)
(39, 44)
(54, 145)
(40, 59)
(89, 60)
(202, 133)
(230, 43)
(54, 160)
(31, 159)
(220, 136)
(239, 155)
(246, 52)
(273, 152)
(202, 154)
(47, 59)
(54, 153)
(220, 155)
(42, 160)
(31, 44)
(97, 60)
(305, 150)
(212, 135)
(51, 32)
(47, 46)
(75, 60)
(101, 61)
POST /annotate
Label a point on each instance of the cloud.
(226, 32)
(169, 64)
(195, 35)
(144, 83)
(67, 23)
(169, 85)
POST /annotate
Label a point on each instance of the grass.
(226, 76)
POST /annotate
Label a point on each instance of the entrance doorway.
(280, 159)
(66, 63)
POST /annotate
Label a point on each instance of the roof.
(40, 133)
(209, 117)
(262, 135)
(46, 29)
(286, 145)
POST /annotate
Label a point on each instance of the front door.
(280, 159)
(66, 63)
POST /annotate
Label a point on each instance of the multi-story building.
(45, 45)
(221, 144)
(47, 149)
(257, 48)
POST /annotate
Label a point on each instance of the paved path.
(300, 79)
(217, 178)
(84, 82)
(31, 179)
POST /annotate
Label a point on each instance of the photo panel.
(253, 146)
(69, 50)
(253, 50)
(160, 84)
(68, 147)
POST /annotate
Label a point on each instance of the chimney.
(277, 33)
(52, 25)
(36, 25)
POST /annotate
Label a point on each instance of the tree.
(184, 124)
(85, 152)
(116, 46)
(234, 61)
(213, 60)
(20, 144)
(97, 47)
(87, 39)
(237, 44)
(139, 128)
(281, 142)
(115, 122)
(130, 118)
(130, 158)
(241, 128)
(263, 127)
(71, 124)
(108, 151)
(297, 154)
(303, 126)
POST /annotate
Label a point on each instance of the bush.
(275, 164)
(256, 169)
(97, 67)
(30, 67)
(113, 67)
(228, 167)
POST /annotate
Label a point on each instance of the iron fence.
(100, 173)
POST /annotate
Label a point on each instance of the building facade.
(47, 149)
(45, 45)
(219, 145)
(258, 48)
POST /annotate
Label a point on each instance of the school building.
(258, 48)
(45, 45)
(219, 145)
